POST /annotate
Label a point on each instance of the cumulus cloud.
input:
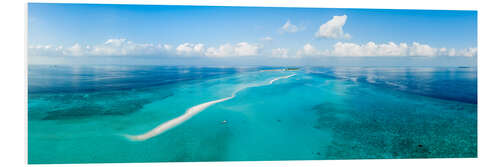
(369, 49)
(310, 50)
(222, 51)
(333, 28)
(384, 49)
(190, 49)
(289, 27)
(418, 49)
(246, 49)
(45, 47)
(111, 47)
(240, 49)
(280, 53)
(76, 50)
(124, 47)
(41, 50)
(468, 52)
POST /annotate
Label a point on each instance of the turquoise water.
(81, 114)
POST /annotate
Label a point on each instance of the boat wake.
(191, 112)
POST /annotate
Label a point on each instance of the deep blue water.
(84, 78)
(80, 114)
(451, 83)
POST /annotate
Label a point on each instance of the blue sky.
(62, 33)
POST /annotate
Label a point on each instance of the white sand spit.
(190, 113)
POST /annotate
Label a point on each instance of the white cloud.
(115, 42)
(166, 47)
(369, 49)
(41, 50)
(445, 52)
(310, 50)
(280, 53)
(384, 49)
(222, 51)
(124, 47)
(115, 47)
(418, 49)
(333, 28)
(246, 49)
(468, 52)
(289, 27)
(240, 49)
(345, 49)
(190, 49)
(75, 50)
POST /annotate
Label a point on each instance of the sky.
(232, 36)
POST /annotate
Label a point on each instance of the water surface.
(81, 114)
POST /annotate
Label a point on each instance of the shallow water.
(81, 114)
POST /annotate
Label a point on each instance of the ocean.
(119, 113)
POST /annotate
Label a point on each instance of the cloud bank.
(370, 49)
(124, 47)
(111, 47)
(190, 49)
(332, 29)
(227, 50)
(310, 50)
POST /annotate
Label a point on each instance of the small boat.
(224, 122)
